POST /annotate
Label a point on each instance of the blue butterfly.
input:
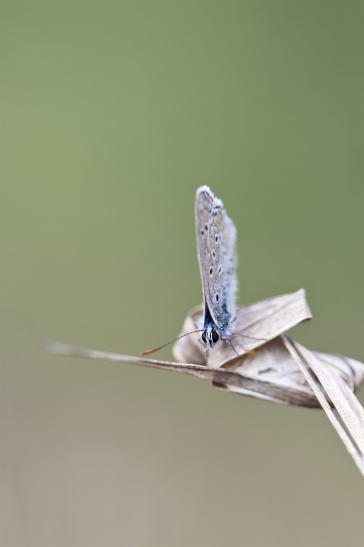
(216, 251)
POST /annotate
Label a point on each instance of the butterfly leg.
(227, 341)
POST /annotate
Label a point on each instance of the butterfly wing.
(216, 251)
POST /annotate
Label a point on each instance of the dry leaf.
(268, 365)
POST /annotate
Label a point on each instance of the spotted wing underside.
(216, 251)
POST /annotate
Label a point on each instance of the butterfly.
(217, 258)
(216, 252)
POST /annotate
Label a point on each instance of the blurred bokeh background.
(112, 113)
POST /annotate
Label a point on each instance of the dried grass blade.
(59, 348)
(329, 388)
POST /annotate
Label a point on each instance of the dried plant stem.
(350, 426)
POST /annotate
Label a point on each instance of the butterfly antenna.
(149, 351)
(250, 337)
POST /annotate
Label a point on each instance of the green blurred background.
(112, 113)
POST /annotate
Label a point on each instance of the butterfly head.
(210, 337)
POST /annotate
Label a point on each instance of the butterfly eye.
(215, 336)
(203, 337)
